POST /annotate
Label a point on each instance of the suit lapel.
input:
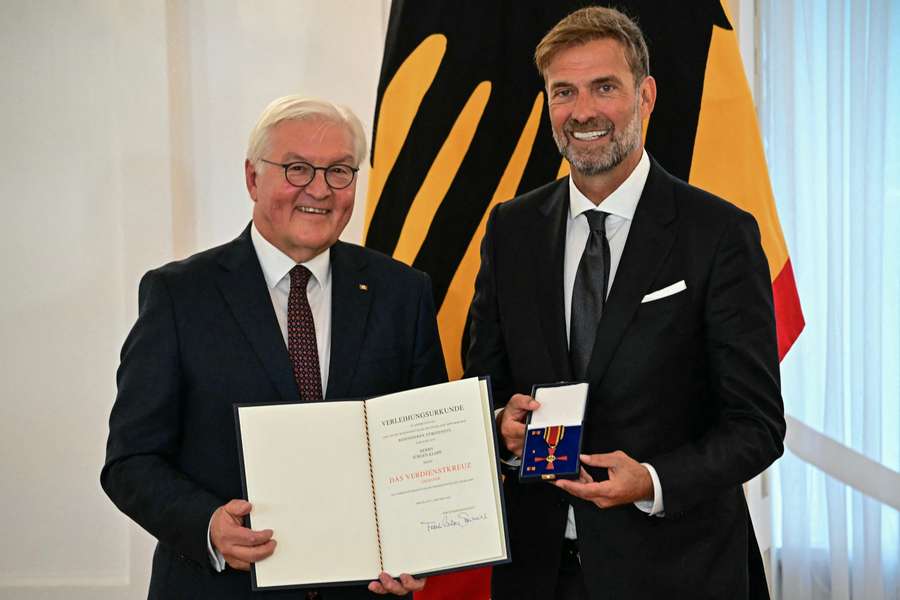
(244, 288)
(350, 300)
(548, 252)
(649, 243)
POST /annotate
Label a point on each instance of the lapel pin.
(364, 287)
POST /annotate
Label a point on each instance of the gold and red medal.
(553, 436)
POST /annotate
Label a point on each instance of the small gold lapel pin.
(364, 287)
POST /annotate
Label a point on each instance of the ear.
(250, 177)
(648, 96)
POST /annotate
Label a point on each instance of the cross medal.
(553, 436)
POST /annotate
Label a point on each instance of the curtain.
(829, 99)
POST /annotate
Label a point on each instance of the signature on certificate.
(456, 520)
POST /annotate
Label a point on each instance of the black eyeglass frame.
(315, 169)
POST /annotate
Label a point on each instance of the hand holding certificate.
(404, 483)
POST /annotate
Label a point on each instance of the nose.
(318, 187)
(583, 108)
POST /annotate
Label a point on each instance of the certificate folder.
(403, 483)
(553, 432)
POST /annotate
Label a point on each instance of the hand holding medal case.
(553, 432)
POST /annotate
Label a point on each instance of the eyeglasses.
(300, 173)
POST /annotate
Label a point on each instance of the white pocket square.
(666, 291)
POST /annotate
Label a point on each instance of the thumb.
(520, 405)
(238, 508)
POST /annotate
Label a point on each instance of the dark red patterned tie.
(302, 338)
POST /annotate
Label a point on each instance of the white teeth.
(311, 210)
(589, 135)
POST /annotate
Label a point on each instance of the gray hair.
(302, 108)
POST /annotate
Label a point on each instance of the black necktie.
(589, 293)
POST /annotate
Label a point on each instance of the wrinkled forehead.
(600, 58)
(313, 129)
(613, 49)
(312, 136)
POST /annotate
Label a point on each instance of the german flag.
(461, 124)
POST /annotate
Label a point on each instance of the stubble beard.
(595, 161)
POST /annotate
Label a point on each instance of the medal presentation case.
(553, 432)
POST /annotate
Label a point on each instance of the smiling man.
(656, 293)
(285, 312)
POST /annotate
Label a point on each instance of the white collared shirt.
(621, 205)
(276, 267)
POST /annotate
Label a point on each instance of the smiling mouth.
(586, 136)
(312, 210)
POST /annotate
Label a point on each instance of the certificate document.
(403, 483)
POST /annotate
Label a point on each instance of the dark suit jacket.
(206, 338)
(688, 383)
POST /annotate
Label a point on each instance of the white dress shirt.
(620, 205)
(276, 267)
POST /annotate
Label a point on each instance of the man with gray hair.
(285, 312)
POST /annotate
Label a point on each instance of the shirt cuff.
(215, 557)
(653, 507)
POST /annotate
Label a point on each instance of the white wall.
(124, 125)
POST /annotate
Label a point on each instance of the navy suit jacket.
(206, 338)
(688, 383)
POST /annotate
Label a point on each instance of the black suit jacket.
(688, 383)
(206, 338)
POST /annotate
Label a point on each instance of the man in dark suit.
(280, 314)
(656, 293)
